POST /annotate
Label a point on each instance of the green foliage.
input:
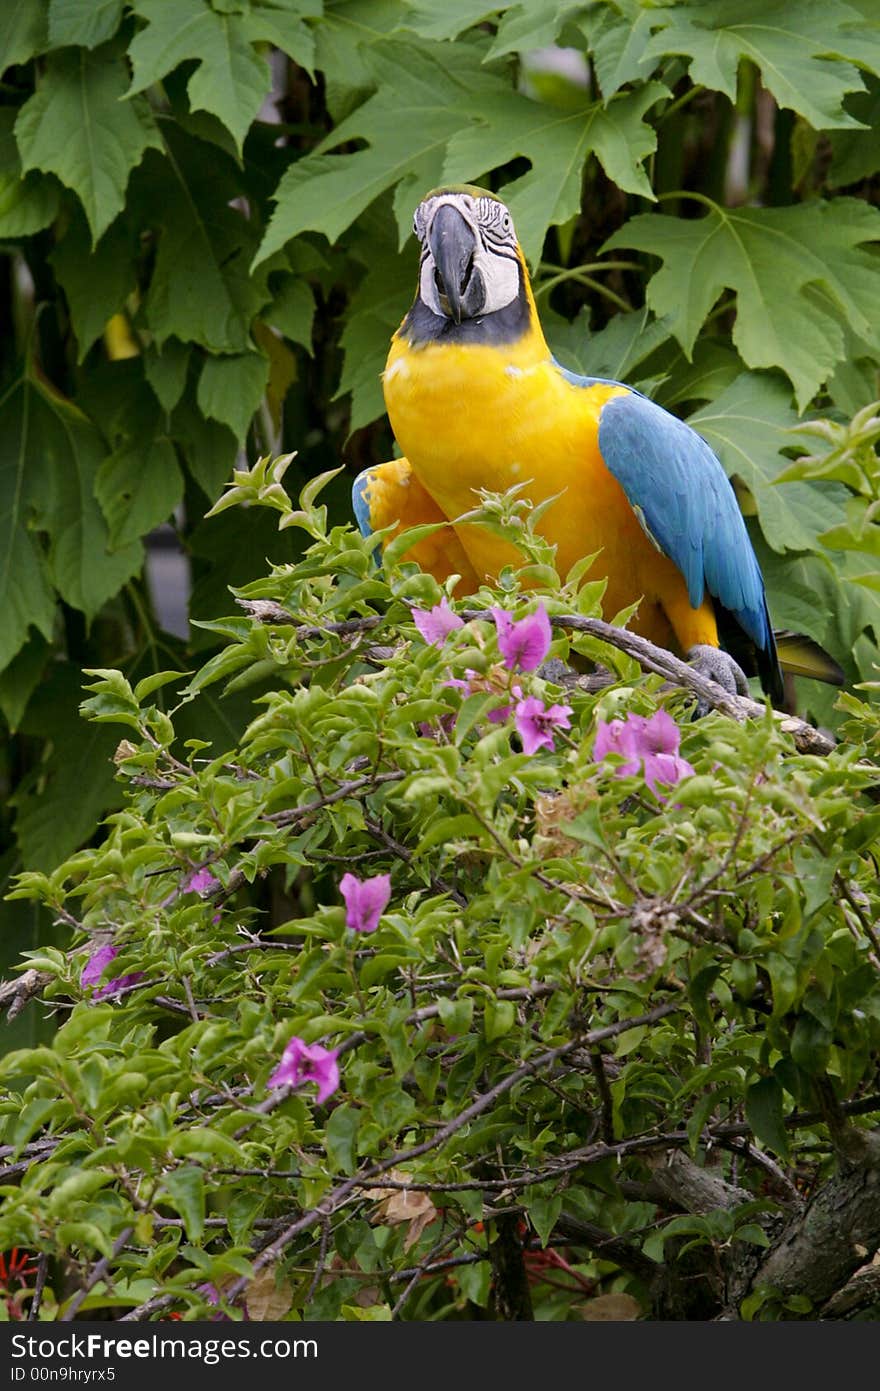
(204, 248)
(205, 212)
(571, 978)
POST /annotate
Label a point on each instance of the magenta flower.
(524, 644)
(437, 623)
(95, 968)
(650, 744)
(201, 882)
(535, 723)
(96, 965)
(307, 1062)
(365, 900)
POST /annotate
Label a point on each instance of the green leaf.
(200, 290)
(856, 153)
(799, 274)
(84, 569)
(105, 137)
(85, 22)
(748, 425)
(800, 49)
(58, 807)
(231, 389)
(96, 282)
(166, 371)
(210, 449)
(375, 312)
(499, 1017)
(23, 31)
(556, 143)
(341, 1137)
(26, 594)
(20, 679)
(532, 24)
(292, 311)
(614, 352)
(764, 1113)
(27, 203)
(184, 1188)
(230, 79)
(424, 97)
(617, 43)
(138, 487)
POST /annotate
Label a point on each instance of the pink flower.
(650, 744)
(437, 623)
(201, 882)
(96, 965)
(95, 968)
(524, 644)
(304, 1062)
(535, 723)
(365, 900)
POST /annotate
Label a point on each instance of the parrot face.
(470, 261)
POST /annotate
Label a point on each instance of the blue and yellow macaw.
(477, 400)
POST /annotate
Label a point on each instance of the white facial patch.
(495, 256)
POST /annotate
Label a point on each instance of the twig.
(39, 1285)
(97, 1273)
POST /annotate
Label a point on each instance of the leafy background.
(204, 218)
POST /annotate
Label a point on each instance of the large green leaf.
(800, 275)
(140, 482)
(23, 31)
(748, 426)
(377, 307)
(28, 203)
(85, 570)
(856, 153)
(80, 95)
(85, 22)
(200, 289)
(231, 389)
(58, 807)
(426, 93)
(26, 595)
(556, 143)
(617, 38)
(805, 50)
(230, 79)
(96, 282)
(615, 352)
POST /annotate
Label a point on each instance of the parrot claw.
(559, 672)
(718, 666)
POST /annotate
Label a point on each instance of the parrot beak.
(452, 244)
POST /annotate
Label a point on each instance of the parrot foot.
(718, 666)
(559, 672)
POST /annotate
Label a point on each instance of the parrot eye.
(506, 223)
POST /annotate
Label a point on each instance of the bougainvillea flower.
(437, 623)
(95, 968)
(97, 964)
(307, 1062)
(201, 882)
(535, 723)
(650, 744)
(365, 900)
(525, 644)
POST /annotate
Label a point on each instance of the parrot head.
(471, 266)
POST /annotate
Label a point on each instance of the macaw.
(476, 400)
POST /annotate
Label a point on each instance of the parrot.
(476, 401)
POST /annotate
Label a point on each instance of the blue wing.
(682, 496)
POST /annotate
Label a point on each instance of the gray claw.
(718, 666)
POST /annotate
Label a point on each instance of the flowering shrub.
(429, 1004)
